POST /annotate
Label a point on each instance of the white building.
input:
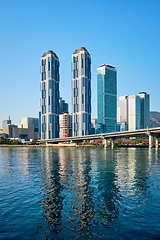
(122, 109)
(49, 95)
(134, 112)
(81, 92)
(32, 124)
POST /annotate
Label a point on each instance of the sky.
(122, 33)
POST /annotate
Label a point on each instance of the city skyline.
(129, 40)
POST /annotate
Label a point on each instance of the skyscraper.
(145, 110)
(107, 97)
(49, 95)
(81, 92)
(134, 112)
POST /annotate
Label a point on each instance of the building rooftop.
(142, 93)
(49, 52)
(81, 49)
(107, 65)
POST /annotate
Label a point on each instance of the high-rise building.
(122, 109)
(134, 112)
(63, 106)
(145, 110)
(49, 95)
(107, 97)
(81, 92)
(122, 113)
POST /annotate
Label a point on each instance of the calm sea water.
(79, 193)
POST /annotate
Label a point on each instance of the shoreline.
(73, 145)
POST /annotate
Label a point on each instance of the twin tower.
(81, 94)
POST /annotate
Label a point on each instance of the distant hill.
(154, 119)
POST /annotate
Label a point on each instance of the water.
(79, 193)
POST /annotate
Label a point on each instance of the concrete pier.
(105, 143)
(112, 143)
(157, 143)
(150, 141)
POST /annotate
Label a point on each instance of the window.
(82, 64)
(50, 118)
(44, 76)
(50, 84)
(82, 98)
(48, 65)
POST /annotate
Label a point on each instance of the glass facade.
(107, 98)
(81, 92)
(145, 110)
(49, 95)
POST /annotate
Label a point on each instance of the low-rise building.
(65, 124)
(26, 130)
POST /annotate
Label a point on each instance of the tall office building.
(81, 92)
(145, 110)
(134, 112)
(107, 97)
(49, 95)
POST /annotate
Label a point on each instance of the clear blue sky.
(123, 33)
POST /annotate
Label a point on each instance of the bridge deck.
(137, 133)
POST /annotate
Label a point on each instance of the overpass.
(148, 132)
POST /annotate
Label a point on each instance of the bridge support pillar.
(105, 143)
(112, 143)
(157, 143)
(150, 141)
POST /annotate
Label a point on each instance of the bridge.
(148, 132)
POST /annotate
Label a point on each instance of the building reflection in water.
(19, 159)
(67, 192)
(51, 188)
(142, 174)
(84, 191)
(133, 171)
(81, 193)
(108, 195)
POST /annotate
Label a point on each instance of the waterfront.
(79, 193)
